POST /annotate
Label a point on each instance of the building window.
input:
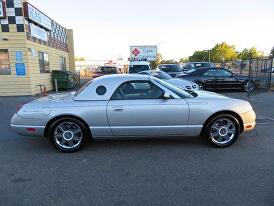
(44, 62)
(63, 63)
(4, 62)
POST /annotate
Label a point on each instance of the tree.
(169, 61)
(80, 59)
(158, 61)
(199, 56)
(250, 53)
(184, 60)
(223, 53)
(272, 52)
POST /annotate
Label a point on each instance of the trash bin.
(65, 79)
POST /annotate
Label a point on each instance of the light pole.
(158, 45)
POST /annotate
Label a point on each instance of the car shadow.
(136, 143)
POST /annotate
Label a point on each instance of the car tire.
(68, 134)
(222, 130)
(248, 86)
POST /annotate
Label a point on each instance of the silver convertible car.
(127, 106)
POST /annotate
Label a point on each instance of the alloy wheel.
(222, 131)
(68, 135)
(248, 86)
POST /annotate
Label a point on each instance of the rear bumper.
(28, 130)
(24, 126)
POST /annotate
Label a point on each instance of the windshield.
(190, 71)
(107, 70)
(161, 75)
(133, 69)
(170, 68)
(205, 64)
(180, 92)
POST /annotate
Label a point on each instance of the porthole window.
(101, 90)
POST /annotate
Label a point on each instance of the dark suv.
(172, 69)
(196, 65)
(104, 70)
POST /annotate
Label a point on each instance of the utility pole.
(209, 55)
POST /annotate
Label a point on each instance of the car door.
(138, 109)
(226, 80)
(209, 79)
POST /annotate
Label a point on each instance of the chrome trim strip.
(108, 127)
(27, 126)
(156, 127)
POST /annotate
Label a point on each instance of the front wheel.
(222, 131)
(68, 134)
(248, 86)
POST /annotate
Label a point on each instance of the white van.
(135, 67)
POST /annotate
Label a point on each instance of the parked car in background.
(181, 83)
(190, 66)
(104, 70)
(129, 106)
(270, 70)
(135, 67)
(220, 79)
(172, 69)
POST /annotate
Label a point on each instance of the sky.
(105, 29)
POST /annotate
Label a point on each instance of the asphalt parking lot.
(183, 171)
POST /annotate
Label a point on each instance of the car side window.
(137, 90)
(210, 73)
(187, 67)
(224, 73)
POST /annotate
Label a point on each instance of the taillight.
(19, 107)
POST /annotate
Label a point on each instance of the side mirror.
(166, 95)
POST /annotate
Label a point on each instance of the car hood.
(210, 95)
(173, 74)
(219, 102)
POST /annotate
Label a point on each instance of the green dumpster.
(65, 79)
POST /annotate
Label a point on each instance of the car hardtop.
(110, 83)
(126, 77)
(202, 70)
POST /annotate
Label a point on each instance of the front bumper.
(249, 126)
(249, 120)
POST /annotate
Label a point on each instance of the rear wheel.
(222, 130)
(68, 134)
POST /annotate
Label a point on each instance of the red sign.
(136, 52)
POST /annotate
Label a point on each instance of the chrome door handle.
(118, 109)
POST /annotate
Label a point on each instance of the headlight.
(194, 86)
